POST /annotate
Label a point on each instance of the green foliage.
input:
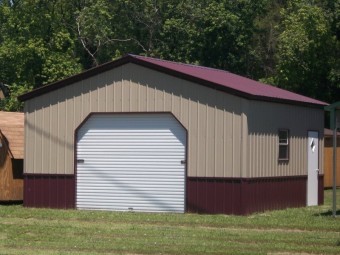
(307, 52)
(12, 104)
(228, 29)
(96, 31)
(293, 44)
(35, 48)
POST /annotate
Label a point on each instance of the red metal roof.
(217, 79)
(232, 81)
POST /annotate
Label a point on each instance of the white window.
(283, 144)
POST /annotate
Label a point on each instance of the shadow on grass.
(19, 202)
(328, 213)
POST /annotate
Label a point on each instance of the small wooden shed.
(328, 152)
(11, 156)
(144, 134)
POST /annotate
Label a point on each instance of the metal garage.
(246, 143)
(131, 162)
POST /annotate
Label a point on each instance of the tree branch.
(84, 44)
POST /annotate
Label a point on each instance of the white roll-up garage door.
(131, 162)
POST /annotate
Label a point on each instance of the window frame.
(284, 144)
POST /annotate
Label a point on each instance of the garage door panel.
(141, 182)
(117, 195)
(131, 162)
(141, 179)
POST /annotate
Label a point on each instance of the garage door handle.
(80, 161)
(183, 162)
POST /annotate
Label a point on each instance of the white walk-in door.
(131, 162)
(313, 168)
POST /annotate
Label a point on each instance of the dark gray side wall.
(264, 121)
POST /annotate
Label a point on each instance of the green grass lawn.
(309, 230)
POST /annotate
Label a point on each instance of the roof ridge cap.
(180, 63)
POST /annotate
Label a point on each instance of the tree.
(228, 30)
(11, 104)
(35, 49)
(307, 52)
(212, 33)
(293, 44)
(97, 28)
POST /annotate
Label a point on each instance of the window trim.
(286, 143)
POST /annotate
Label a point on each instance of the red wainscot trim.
(49, 190)
(214, 195)
(242, 196)
(273, 193)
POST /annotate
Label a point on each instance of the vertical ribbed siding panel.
(46, 153)
(117, 96)
(193, 128)
(210, 142)
(150, 99)
(142, 98)
(29, 137)
(201, 139)
(38, 121)
(134, 96)
(102, 93)
(53, 129)
(93, 83)
(126, 96)
(159, 100)
(109, 80)
(62, 116)
(46, 190)
(131, 162)
(219, 143)
(69, 125)
(86, 98)
(228, 146)
(185, 105)
(244, 138)
(76, 100)
(263, 137)
(237, 132)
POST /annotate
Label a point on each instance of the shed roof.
(215, 78)
(12, 127)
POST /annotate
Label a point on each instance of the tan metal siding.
(46, 120)
(213, 119)
(264, 121)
